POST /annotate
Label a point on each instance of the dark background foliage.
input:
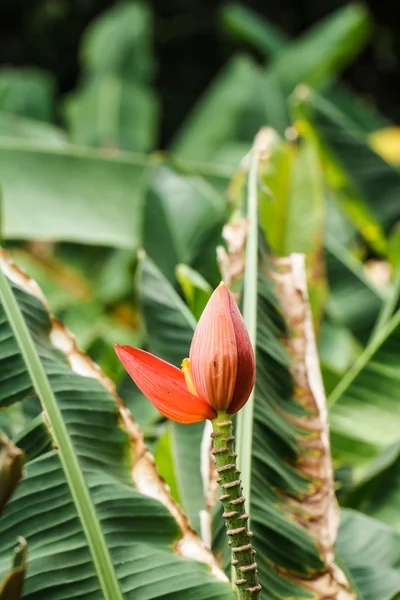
(190, 47)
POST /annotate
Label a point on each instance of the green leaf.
(119, 42)
(245, 25)
(175, 195)
(71, 182)
(377, 493)
(292, 208)
(364, 403)
(219, 117)
(139, 531)
(115, 107)
(113, 112)
(371, 554)
(12, 126)
(244, 97)
(170, 326)
(68, 457)
(250, 279)
(349, 289)
(375, 181)
(163, 455)
(27, 92)
(196, 289)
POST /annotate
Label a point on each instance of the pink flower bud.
(221, 356)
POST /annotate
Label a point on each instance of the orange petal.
(164, 385)
(213, 352)
(246, 368)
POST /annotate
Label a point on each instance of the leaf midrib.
(77, 485)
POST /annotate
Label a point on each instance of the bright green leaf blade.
(292, 207)
(305, 214)
(12, 126)
(163, 455)
(196, 289)
(99, 196)
(68, 457)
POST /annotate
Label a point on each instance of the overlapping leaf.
(293, 511)
(245, 97)
(365, 402)
(115, 105)
(139, 531)
(170, 326)
(99, 196)
(370, 176)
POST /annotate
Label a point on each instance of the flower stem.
(234, 510)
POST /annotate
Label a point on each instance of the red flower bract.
(221, 369)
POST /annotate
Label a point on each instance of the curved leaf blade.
(293, 508)
(69, 181)
(69, 460)
(146, 540)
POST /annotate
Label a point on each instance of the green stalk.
(246, 415)
(388, 307)
(234, 509)
(79, 491)
(363, 359)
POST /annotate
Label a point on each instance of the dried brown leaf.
(317, 512)
(11, 465)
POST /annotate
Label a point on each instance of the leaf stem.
(79, 491)
(376, 342)
(388, 307)
(246, 415)
(234, 509)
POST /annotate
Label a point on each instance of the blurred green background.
(122, 126)
(190, 44)
(126, 126)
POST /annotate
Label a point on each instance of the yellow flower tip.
(222, 284)
(188, 376)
